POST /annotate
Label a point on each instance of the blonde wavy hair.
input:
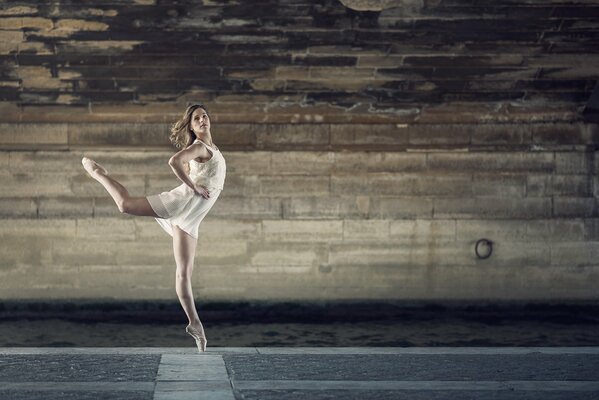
(181, 134)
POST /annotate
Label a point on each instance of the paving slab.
(313, 373)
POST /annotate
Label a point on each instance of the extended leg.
(120, 195)
(184, 247)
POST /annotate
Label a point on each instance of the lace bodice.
(210, 173)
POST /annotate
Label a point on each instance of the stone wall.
(368, 148)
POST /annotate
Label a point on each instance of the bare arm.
(178, 161)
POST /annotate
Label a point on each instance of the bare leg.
(184, 247)
(120, 195)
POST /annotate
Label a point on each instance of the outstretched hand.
(201, 190)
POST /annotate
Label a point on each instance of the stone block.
(538, 185)
(122, 281)
(572, 185)
(440, 134)
(159, 252)
(318, 207)
(19, 184)
(423, 230)
(500, 185)
(562, 133)
(65, 207)
(302, 231)
(503, 230)
(397, 255)
(501, 134)
(45, 161)
(302, 163)
(121, 134)
(81, 251)
(492, 207)
(557, 230)
(247, 208)
(499, 162)
(284, 254)
(360, 162)
(219, 252)
(249, 163)
(23, 251)
(38, 227)
(106, 229)
(574, 162)
(242, 185)
(33, 134)
(365, 229)
(420, 184)
(401, 207)
(575, 254)
(18, 207)
(368, 134)
(575, 206)
(286, 185)
(293, 134)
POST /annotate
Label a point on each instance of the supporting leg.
(184, 247)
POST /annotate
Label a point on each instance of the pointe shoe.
(88, 165)
(199, 338)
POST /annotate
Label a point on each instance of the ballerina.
(180, 210)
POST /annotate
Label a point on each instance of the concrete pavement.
(300, 373)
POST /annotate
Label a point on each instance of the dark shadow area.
(407, 323)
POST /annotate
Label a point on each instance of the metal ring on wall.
(489, 245)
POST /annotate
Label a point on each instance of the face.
(200, 121)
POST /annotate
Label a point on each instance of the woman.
(180, 210)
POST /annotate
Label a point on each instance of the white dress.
(181, 206)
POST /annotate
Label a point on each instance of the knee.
(183, 275)
(124, 206)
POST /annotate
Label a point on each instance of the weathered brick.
(563, 134)
(492, 207)
(65, 207)
(318, 207)
(302, 231)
